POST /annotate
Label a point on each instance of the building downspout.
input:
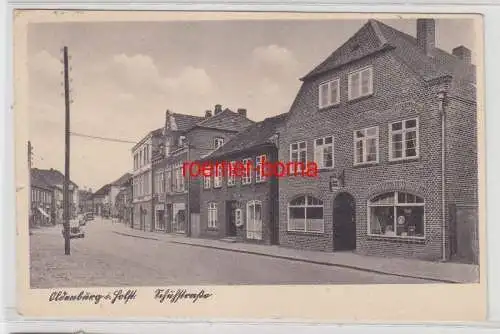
(188, 206)
(442, 112)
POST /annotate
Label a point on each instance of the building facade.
(242, 205)
(142, 180)
(42, 201)
(188, 138)
(390, 121)
(54, 179)
(123, 202)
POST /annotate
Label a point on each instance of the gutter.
(442, 112)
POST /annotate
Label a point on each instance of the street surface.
(105, 258)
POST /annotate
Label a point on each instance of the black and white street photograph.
(237, 152)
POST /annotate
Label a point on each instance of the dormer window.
(182, 141)
(360, 83)
(218, 142)
(329, 93)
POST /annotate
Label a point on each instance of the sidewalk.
(445, 272)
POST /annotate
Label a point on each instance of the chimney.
(218, 109)
(208, 113)
(242, 112)
(426, 35)
(461, 52)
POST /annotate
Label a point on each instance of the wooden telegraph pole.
(66, 199)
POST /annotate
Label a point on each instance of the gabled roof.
(103, 191)
(256, 135)
(226, 120)
(155, 133)
(377, 36)
(50, 177)
(184, 122)
(122, 180)
(38, 181)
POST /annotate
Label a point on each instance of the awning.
(43, 212)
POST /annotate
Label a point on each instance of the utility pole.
(66, 213)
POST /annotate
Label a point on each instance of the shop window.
(305, 214)
(396, 214)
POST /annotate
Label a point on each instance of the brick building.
(242, 207)
(391, 121)
(187, 138)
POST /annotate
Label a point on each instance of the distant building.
(123, 201)
(115, 188)
(188, 138)
(86, 203)
(55, 180)
(102, 202)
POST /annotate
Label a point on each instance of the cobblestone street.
(105, 258)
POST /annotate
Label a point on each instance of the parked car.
(75, 229)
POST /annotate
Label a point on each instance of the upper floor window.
(259, 168)
(329, 93)
(323, 152)
(167, 147)
(246, 178)
(206, 182)
(182, 141)
(218, 142)
(366, 145)
(168, 181)
(179, 179)
(403, 140)
(231, 179)
(298, 153)
(360, 83)
(218, 176)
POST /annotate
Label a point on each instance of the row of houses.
(47, 197)
(388, 119)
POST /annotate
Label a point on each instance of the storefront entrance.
(231, 218)
(344, 222)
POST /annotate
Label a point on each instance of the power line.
(116, 140)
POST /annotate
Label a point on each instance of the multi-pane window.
(366, 145)
(329, 93)
(396, 214)
(231, 179)
(360, 83)
(259, 168)
(206, 182)
(179, 179)
(298, 153)
(218, 176)
(403, 139)
(305, 214)
(246, 178)
(168, 181)
(212, 215)
(167, 147)
(218, 142)
(323, 152)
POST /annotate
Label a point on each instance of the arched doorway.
(344, 222)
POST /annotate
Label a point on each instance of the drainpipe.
(188, 206)
(442, 112)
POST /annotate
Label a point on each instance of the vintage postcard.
(286, 166)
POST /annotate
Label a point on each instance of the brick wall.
(398, 94)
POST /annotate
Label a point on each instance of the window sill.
(360, 98)
(404, 160)
(213, 229)
(365, 164)
(331, 106)
(325, 169)
(304, 233)
(406, 240)
(246, 184)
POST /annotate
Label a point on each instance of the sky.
(125, 75)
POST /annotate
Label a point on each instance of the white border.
(492, 33)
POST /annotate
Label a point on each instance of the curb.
(283, 257)
(346, 266)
